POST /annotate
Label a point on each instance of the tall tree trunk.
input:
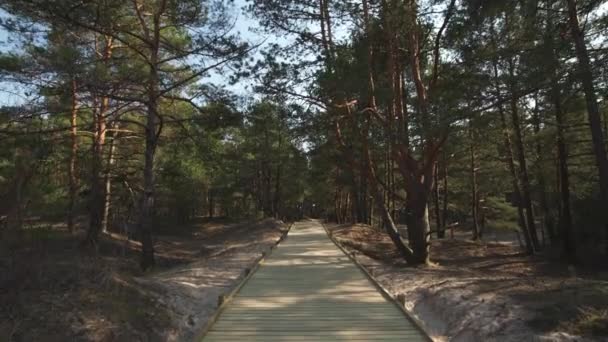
(511, 165)
(408, 253)
(96, 198)
(108, 182)
(565, 214)
(439, 225)
(444, 215)
(97, 189)
(566, 231)
(418, 174)
(277, 191)
(546, 217)
(474, 191)
(152, 133)
(593, 112)
(72, 177)
(147, 199)
(337, 199)
(211, 203)
(521, 158)
(586, 77)
(418, 227)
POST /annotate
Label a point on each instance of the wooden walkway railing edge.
(224, 300)
(383, 291)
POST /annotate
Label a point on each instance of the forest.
(458, 141)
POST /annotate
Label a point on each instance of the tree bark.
(438, 221)
(521, 158)
(96, 195)
(593, 112)
(474, 191)
(511, 166)
(147, 200)
(418, 227)
(567, 234)
(547, 222)
(441, 233)
(277, 191)
(565, 219)
(72, 177)
(108, 182)
(96, 198)
(210, 201)
(152, 131)
(586, 77)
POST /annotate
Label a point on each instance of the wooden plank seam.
(385, 293)
(224, 300)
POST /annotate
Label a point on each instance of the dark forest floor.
(53, 289)
(487, 291)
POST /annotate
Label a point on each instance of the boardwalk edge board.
(224, 300)
(385, 292)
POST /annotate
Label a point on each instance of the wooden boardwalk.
(309, 290)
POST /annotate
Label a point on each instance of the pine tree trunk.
(521, 158)
(277, 192)
(474, 191)
(147, 200)
(438, 221)
(444, 215)
(593, 112)
(108, 182)
(418, 228)
(96, 199)
(586, 78)
(211, 203)
(152, 132)
(567, 233)
(337, 207)
(511, 165)
(546, 217)
(72, 177)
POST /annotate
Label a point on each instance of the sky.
(245, 26)
(12, 94)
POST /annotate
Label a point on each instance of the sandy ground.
(52, 289)
(486, 291)
(192, 292)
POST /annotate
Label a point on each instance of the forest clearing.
(437, 165)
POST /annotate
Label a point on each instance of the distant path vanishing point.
(309, 290)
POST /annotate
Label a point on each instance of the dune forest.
(303, 170)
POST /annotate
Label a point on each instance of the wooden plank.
(309, 290)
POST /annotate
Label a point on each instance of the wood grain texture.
(309, 290)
